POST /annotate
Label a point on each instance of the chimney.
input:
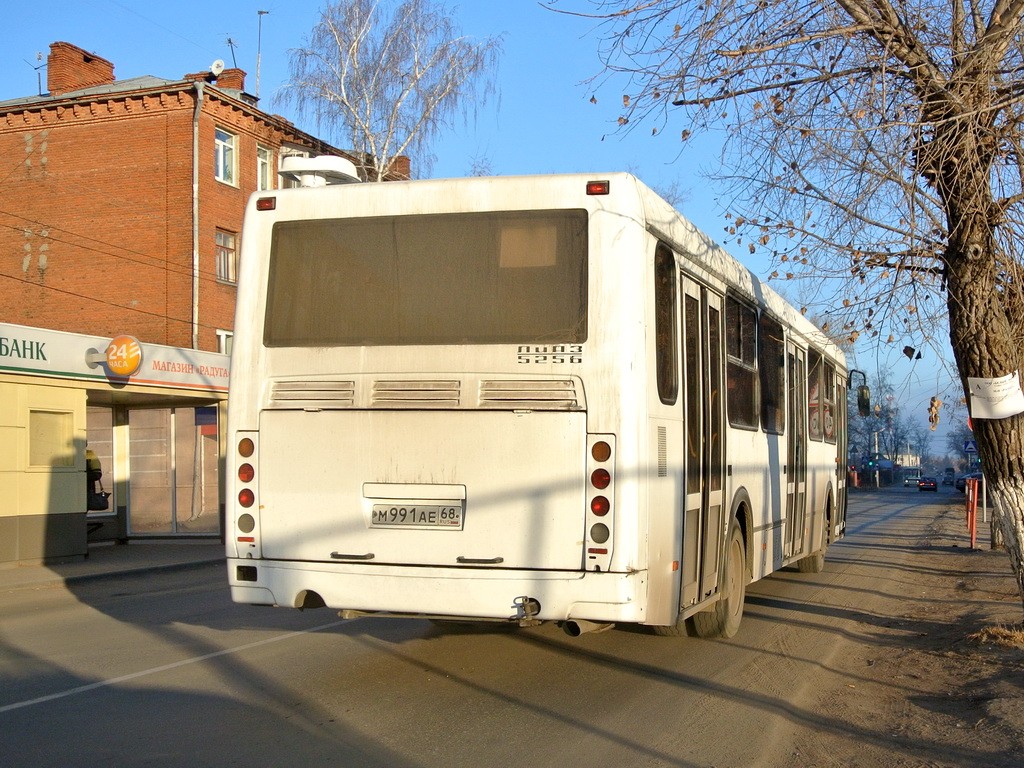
(232, 78)
(400, 169)
(70, 68)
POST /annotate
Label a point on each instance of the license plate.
(445, 516)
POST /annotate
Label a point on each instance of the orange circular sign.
(124, 355)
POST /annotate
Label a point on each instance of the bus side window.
(814, 394)
(740, 370)
(666, 343)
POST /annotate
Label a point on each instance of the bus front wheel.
(723, 618)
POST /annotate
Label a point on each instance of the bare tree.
(387, 77)
(877, 142)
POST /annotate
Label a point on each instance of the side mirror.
(864, 400)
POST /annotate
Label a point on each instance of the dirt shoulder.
(923, 683)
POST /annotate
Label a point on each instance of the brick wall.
(98, 238)
(96, 233)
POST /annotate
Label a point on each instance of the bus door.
(703, 533)
(796, 449)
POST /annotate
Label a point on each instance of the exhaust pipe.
(577, 627)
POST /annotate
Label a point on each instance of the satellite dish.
(217, 67)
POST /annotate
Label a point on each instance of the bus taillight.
(246, 496)
(600, 493)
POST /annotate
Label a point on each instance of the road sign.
(970, 446)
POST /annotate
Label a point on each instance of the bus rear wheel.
(723, 618)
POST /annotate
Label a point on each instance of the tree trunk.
(985, 347)
(1008, 497)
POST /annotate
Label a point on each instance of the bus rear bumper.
(468, 593)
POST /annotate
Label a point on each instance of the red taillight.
(598, 187)
(246, 473)
(266, 203)
(246, 498)
(246, 447)
(599, 505)
(600, 478)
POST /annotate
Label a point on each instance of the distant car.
(961, 482)
(927, 484)
(948, 480)
(910, 480)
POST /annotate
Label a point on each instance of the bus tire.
(723, 618)
(682, 628)
(812, 563)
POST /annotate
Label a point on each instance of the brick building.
(120, 219)
(124, 199)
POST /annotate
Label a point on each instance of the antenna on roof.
(259, 46)
(231, 45)
(37, 67)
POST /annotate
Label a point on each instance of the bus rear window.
(470, 278)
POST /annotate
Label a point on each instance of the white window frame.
(225, 156)
(226, 256)
(264, 168)
(224, 340)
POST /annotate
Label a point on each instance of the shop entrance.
(173, 463)
(161, 469)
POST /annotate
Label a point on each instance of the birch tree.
(873, 142)
(385, 78)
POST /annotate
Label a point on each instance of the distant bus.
(911, 475)
(522, 399)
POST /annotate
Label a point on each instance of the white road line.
(164, 668)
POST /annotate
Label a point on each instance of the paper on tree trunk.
(996, 398)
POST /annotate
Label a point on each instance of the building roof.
(143, 83)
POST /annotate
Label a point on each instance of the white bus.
(524, 399)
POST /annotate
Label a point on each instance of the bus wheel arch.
(741, 516)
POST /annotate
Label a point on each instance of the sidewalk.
(110, 559)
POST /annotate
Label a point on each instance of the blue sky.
(541, 121)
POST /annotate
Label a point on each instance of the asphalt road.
(163, 669)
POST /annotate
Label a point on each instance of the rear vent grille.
(416, 394)
(534, 395)
(440, 394)
(313, 394)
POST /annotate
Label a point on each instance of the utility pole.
(876, 457)
(259, 46)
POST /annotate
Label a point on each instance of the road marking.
(164, 668)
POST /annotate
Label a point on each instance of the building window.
(227, 256)
(225, 158)
(224, 340)
(264, 168)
